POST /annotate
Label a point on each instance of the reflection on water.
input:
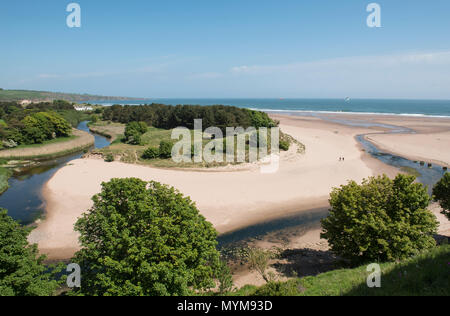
(23, 199)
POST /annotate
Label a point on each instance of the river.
(23, 199)
(25, 203)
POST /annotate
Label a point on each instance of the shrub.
(441, 193)
(284, 145)
(290, 288)
(165, 149)
(145, 239)
(109, 158)
(258, 260)
(134, 138)
(380, 220)
(151, 153)
(134, 131)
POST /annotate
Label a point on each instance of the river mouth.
(23, 199)
(25, 203)
(308, 220)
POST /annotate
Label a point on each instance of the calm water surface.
(23, 199)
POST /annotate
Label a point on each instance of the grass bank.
(427, 274)
(4, 177)
(59, 147)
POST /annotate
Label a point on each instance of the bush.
(145, 239)
(134, 131)
(151, 153)
(165, 149)
(441, 193)
(109, 158)
(290, 288)
(380, 220)
(284, 145)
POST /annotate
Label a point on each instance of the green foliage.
(284, 145)
(224, 276)
(165, 150)
(441, 193)
(151, 153)
(5, 174)
(109, 158)
(423, 275)
(380, 220)
(277, 289)
(260, 119)
(42, 126)
(169, 117)
(21, 270)
(144, 238)
(36, 123)
(93, 119)
(134, 131)
(258, 260)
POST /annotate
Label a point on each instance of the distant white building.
(84, 108)
(25, 102)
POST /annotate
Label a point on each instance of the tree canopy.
(144, 238)
(36, 123)
(168, 117)
(22, 272)
(380, 220)
(441, 193)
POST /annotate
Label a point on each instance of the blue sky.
(231, 49)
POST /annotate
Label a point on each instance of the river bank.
(23, 198)
(81, 140)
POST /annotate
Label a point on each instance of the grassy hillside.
(425, 275)
(17, 95)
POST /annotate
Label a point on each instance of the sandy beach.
(229, 200)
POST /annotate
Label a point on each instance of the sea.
(433, 108)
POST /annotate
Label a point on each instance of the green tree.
(32, 131)
(441, 193)
(144, 238)
(380, 220)
(22, 272)
(133, 132)
(58, 124)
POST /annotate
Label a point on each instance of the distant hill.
(19, 95)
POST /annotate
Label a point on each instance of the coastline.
(229, 200)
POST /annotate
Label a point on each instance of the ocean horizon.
(432, 108)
